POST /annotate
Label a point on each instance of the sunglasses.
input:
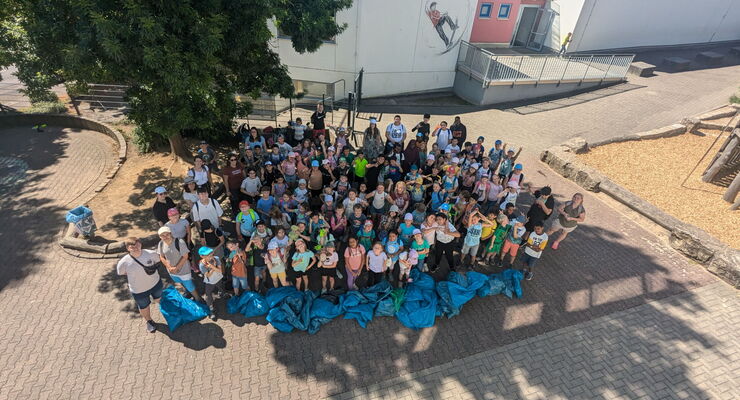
(232, 159)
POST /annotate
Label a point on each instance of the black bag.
(149, 269)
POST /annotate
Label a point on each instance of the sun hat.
(164, 229)
(408, 216)
(204, 251)
(160, 190)
(172, 211)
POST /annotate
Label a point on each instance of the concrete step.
(640, 68)
(710, 58)
(677, 63)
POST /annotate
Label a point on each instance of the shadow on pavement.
(29, 220)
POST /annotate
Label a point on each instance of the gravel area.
(656, 170)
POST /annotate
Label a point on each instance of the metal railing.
(492, 69)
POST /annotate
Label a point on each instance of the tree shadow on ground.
(29, 218)
(573, 285)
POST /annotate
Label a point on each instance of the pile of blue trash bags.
(416, 306)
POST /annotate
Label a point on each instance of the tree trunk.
(732, 191)
(178, 148)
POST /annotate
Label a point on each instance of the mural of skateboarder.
(439, 19)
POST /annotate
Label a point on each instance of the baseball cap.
(315, 163)
(203, 142)
(513, 185)
(206, 224)
(204, 251)
(160, 190)
(325, 162)
(394, 208)
(272, 246)
(331, 148)
(427, 116)
(430, 157)
(342, 159)
(510, 151)
(416, 232)
(445, 207)
(330, 244)
(455, 160)
(521, 219)
(373, 121)
(291, 154)
(188, 179)
(302, 181)
(368, 222)
(328, 197)
(448, 151)
(268, 163)
(497, 142)
(451, 169)
(518, 166)
(164, 229)
(414, 167)
(172, 211)
(481, 138)
(408, 216)
(475, 165)
(243, 203)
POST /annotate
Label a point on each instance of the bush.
(48, 107)
(145, 140)
(734, 99)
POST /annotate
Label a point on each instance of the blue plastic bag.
(178, 310)
(507, 282)
(289, 308)
(358, 307)
(419, 308)
(322, 311)
(250, 304)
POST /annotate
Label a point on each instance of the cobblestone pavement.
(70, 329)
(681, 347)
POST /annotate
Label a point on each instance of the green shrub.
(734, 99)
(145, 141)
(48, 107)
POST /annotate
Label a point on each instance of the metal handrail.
(491, 68)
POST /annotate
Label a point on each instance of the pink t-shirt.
(353, 257)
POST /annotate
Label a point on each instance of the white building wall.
(569, 12)
(394, 41)
(614, 24)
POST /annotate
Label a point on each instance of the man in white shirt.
(174, 254)
(395, 133)
(140, 268)
(206, 208)
(445, 236)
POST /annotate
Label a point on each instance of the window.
(503, 11)
(485, 10)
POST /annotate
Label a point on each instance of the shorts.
(259, 271)
(330, 272)
(278, 275)
(142, 299)
(377, 211)
(530, 261)
(472, 250)
(239, 283)
(300, 274)
(510, 248)
(494, 247)
(556, 226)
(187, 283)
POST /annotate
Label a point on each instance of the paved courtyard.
(614, 313)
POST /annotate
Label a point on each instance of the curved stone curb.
(688, 239)
(83, 248)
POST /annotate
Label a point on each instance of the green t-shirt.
(360, 167)
(416, 246)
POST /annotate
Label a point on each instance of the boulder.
(588, 178)
(577, 145)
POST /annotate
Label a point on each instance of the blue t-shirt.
(392, 246)
(246, 222)
(438, 198)
(520, 231)
(472, 239)
(406, 233)
(265, 205)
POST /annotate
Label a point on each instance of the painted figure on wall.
(439, 19)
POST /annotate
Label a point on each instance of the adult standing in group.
(395, 133)
(570, 215)
(206, 208)
(459, 131)
(201, 174)
(255, 139)
(445, 236)
(208, 155)
(541, 209)
(372, 142)
(161, 205)
(412, 153)
(443, 134)
(318, 119)
(140, 268)
(233, 175)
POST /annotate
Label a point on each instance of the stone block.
(640, 68)
(726, 265)
(588, 178)
(82, 245)
(115, 247)
(676, 64)
(666, 131)
(690, 246)
(710, 58)
(723, 112)
(577, 145)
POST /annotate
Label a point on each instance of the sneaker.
(150, 326)
(528, 275)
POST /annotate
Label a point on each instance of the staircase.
(105, 97)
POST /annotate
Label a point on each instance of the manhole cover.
(12, 173)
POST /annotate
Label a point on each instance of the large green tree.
(183, 60)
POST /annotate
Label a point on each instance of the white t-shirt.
(509, 198)
(173, 256)
(211, 211)
(429, 236)
(536, 240)
(190, 196)
(445, 238)
(179, 229)
(376, 263)
(201, 177)
(298, 131)
(251, 185)
(443, 138)
(215, 275)
(396, 132)
(138, 280)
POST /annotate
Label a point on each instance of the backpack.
(197, 208)
(177, 245)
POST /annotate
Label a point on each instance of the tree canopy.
(183, 60)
